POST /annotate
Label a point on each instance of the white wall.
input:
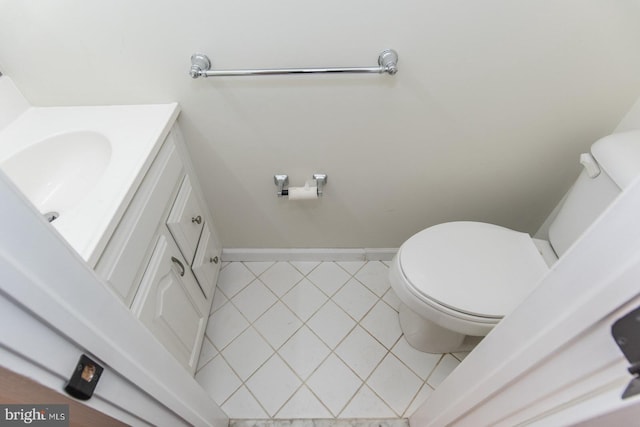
(631, 120)
(12, 103)
(492, 103)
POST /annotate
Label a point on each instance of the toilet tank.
(617, 157)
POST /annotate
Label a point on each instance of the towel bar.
(201, 67)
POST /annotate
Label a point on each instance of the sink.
(57, 172)
(80, 166)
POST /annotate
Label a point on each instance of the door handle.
(180, 265)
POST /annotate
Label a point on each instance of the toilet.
(457, 280)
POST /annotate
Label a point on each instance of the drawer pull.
(214, 260)
(177, 261)
(197, 219)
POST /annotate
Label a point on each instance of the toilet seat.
(471, 270)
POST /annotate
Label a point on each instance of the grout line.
(236, 374)
(384, 402)
(417, 391)
(304, 323)
(409, 367)
(459, 358)
(276, 350)
(262, 272)
(240, 290)
(231, 366)
(256, 399)
(434, 368)
(218, 292)
(364, 382)
(364, 315)
(244, 382)
(348, 402)
(404, 413)
(275, 414)
(261, 314)
(348, 272)
(207, 362)
(202, 367)
(220, 350)
(316, 396)
(316, 310)
(265, 270)
(379, 296)
(302, 272)
(331, 350)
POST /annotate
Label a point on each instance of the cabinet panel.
(186, 220)
(207, 262)
(171, 304)
(122, 261)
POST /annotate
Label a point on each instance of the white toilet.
(457, 280)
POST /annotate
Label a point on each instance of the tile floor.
(313, 340)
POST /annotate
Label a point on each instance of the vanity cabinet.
(162, 260)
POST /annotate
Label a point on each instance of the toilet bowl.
(457, 280)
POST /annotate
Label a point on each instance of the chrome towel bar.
(201, 67)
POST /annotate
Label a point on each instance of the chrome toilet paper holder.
(282, 181)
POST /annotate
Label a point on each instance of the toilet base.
(429, 337)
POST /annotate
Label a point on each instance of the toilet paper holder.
(282, 181)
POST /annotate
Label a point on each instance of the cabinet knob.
(214, 260)
(180, 265)
(197, 219)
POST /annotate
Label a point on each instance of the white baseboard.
(380, 254)
(315, 254)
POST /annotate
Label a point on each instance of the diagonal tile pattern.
(334, 383)
(313, 340)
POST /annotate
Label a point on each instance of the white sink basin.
(82, 165)
(59, 171)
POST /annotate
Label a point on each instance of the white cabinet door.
(124, 259)
(186, 220)
(171, 304)
(207, 262)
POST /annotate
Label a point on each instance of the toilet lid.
(470, 267)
